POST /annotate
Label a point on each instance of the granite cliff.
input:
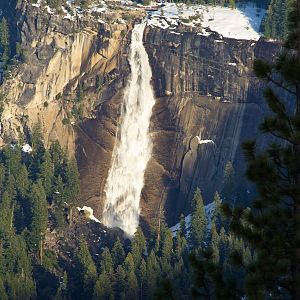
(207, 101)
(61, 55)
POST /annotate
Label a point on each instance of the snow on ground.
(27, 148)
(209, 210)
(240, 23)
(176, 227)
(70, 11)
(89, 212)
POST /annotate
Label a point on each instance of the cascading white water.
(133, 146)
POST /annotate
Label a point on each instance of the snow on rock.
(209, 211)
(89, 212)
(199, 141)
(174, 229)
(49, 10)
(158, 22)
(27, 148)
(247, 19)
(206, 142)
(37, 4)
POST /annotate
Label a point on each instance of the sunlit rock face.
(60, 54)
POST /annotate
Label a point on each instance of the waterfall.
(132, 150)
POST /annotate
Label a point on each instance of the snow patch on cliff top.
(240, 23)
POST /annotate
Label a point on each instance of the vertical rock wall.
(206, 89)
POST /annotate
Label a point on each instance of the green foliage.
(229, 182)
(50, 261)
(86, 270)
(118, 253)
(72, 189)
(66, 121)
(138, 246)
(198, 221)
(120, 283)
(47, 174)
(4, 41)
(38, 215)
(106, 263)
(54, 3)
(275, 22)
(103, 288)
(270, 229)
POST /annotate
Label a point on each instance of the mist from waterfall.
(133, 146)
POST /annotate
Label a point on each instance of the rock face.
(60, 54)
(208, 103)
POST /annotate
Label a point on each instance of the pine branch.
(269, 78)
(280, 137)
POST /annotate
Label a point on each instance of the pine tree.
(217, 214)
(272, 226)
(132, 289)
(4, 41)
(153, 273)
(72, 182)
(5, 212)
(106, 263)
(182, 228)
(180, 247)
(10, 187)
(223, 240)
(57, 156)
(118, 253)
(142, 277)
(103, 289)
(39, 215)
(232, 4)
(86, 270)
(47, 174)
(59, 192)
(198, 227)
(2, 176)
(120, 283)
(12, 159)
(38, 150)
(3, 291)
(167, 252)
(214, 243)
(62, 291)
(181, 282)
(22, 181)
(59, 202)
(228, 191)
(37, 137)
(138, 246)
(275, 23)
(129, 263)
